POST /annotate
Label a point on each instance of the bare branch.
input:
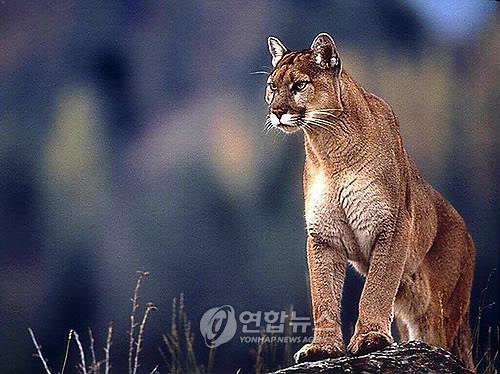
(107, 349)
(39, 352)
(83, 365)
(149, 307)
(93, 367)
(70, 335)
(135, 305)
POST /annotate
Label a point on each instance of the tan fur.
(367, 204)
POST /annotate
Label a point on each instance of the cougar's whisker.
(267, 125)
(326, 114)
(323, 114)
(330, 110)
(340, 124)
(328, 123)
(321, 126)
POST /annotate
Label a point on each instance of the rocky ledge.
(407, 358)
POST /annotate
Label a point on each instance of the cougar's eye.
(300, 85)
(272, 86)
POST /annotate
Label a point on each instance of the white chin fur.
(283, 123)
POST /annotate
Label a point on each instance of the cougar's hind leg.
(446, 323)
(411, 304)
(459, 333)
(461, 345)
(403, 332)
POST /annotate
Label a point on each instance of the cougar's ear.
(276, 48)
(325, 53)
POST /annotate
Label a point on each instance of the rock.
(407, 358)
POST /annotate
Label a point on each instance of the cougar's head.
(303, 91)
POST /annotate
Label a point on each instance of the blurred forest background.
(132, 138)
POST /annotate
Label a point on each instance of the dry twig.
(107, 349)
(83, 365)
(149, 307)
(70, 335)
(135, 305)
(94, 366)
(39, 352)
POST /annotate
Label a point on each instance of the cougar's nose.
(278, 112)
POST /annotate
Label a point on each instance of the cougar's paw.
(317, 352)
(369, 342)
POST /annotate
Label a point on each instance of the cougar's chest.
(345, 212)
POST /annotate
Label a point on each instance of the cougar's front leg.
(373, 328)
(326, 279)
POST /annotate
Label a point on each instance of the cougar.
(367, 204)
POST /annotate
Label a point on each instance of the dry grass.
(104, 366)
(39, 354)
(179, 356)
(272, 355)
(486, 355)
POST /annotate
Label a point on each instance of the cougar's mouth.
(289, 129)
(288, 123)
(286, 126)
